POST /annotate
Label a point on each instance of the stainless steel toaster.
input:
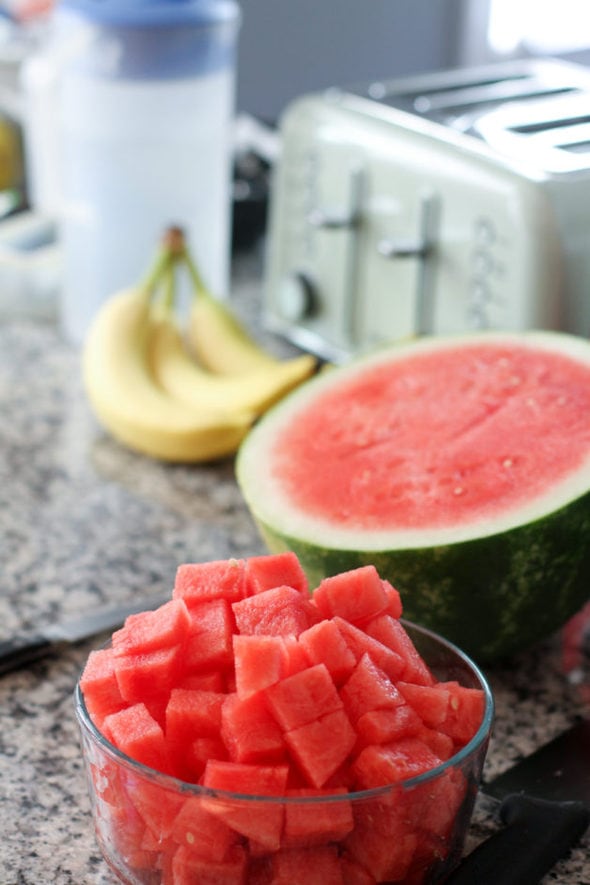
(439, 203)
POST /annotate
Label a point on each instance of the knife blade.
(544, 806)
(24, 648)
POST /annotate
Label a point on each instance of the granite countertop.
(83, 521)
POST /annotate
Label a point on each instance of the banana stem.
(177, 244)
(169, 284)
(173, 251)
(154, 275)
(195, 275)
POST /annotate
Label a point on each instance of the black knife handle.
(23, 649)
(537, 833)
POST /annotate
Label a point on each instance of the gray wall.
(289, 47)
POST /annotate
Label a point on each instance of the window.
(538, 26)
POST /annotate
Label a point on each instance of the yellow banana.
(220, 342)
(184, 379)
(128, 401)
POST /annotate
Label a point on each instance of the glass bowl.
(153, 829)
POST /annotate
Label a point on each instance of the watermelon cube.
(135, 732)
(323, 643)
(157, 807)
(381, 842)
(148, 677)
(295, 657)
(429, 858)
(391, 763)
(249, 732)
(277, 612)
(147, 631)
(431, 702)
(206, 680)
(204, 834)
(260, 821)
(314, 822)
(357, 595)
(387, 726)
(219, 579)
(191, 714)
(319, 865)
(368, 688)
(394, 600)
(322, 746)
(353, 873)
(107, 782)
(360, 643)
(275, 570)
(441, 744)
(209, 645)
(392, 633)
(433, 806)
(121, 833)
(188, 867)
(465, 712)
(258, 660)
(100, 687)
(197, 754)
(302, 697)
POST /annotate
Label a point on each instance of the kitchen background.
(86, 522)
(284, 50)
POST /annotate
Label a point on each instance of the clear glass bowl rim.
(169, 782)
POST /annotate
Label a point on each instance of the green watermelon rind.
(492, 593)
(491, 596)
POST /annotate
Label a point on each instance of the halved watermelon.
(459, 466)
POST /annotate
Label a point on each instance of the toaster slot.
(553, 134)
(476, 98)
(457, 98)
(544, 125)
(577, 147)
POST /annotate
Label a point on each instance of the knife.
(544, 807)
(27, 647)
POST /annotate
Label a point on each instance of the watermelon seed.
(458, 490)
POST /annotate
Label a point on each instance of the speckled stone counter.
(83, 521)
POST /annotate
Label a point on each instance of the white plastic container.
(143, 93)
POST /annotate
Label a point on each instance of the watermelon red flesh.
(149, 631)
(356, 596)
(455, 437)
(313, 822)
(188, 868)
(266, 572)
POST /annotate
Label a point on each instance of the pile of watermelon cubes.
(247, 683)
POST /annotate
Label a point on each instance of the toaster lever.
(332, 220)
(350, 215)
(420, 247)
(403, 247)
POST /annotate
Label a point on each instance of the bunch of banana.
(153, 395)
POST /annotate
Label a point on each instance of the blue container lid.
(158, 39)
(154, 12)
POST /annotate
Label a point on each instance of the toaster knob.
(296, 297)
